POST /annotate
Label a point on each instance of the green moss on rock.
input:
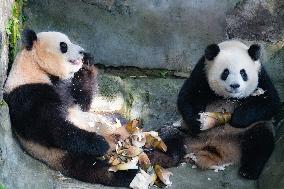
(109, 86)
(14, 28)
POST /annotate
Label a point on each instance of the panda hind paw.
(249, 173)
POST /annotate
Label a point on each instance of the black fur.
(88, 59)
(254, 51)
(38, 113)
(257, 108)
(83, 86)
(29, 36)
(257, 145)
(211, 51)
(90, 169)
(196, 93)
(63, 47)
(194, 96)
(174, 139)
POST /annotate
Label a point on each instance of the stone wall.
(157, 33)
(164, 34)
(147, 34)
(144, 33)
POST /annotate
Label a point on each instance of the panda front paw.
(100, 146)
(206, 122)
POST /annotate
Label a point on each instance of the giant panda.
(48, 90)
(226, 79)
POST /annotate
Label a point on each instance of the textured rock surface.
(164, 34)
(272, 175)
(157, 33)
(257, 20)
(18, 170)
(144, 33)
(5, 9)
(275, 65)
(151, 99)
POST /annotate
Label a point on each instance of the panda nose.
(234, 86)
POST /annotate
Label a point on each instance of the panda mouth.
(76, 61)
(232, 91)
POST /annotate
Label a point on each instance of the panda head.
(232, 68)
(54, 53)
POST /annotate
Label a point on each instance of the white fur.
(218, 168)
(234, 56)
(46, 57)
(51, 41)
(206, 122)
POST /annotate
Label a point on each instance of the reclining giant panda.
(48, 91)
(42, 91)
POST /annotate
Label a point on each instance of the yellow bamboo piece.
(221, 117)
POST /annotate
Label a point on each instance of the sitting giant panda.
(48, 89)
(227, 79)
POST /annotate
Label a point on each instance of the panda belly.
(219, 145)
(224, 144)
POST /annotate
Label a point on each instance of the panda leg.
(257, 145)
(89, 169)
(83, 86)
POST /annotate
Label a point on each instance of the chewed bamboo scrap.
(211, 119)
(129, 154)
(163, 174)
(222, 118)
(258, 91)
(152, 139)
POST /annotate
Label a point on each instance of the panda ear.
(254, 51)
(211, 51)
(29, 37)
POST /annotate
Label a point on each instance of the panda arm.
(38, 114)
(67, 136)
(193, 97)
(83, 86)
(257, 108)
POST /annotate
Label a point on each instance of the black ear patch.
(211, 51)
(29, 36)
(254, 51)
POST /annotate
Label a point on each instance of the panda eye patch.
(225, 74)
(63, 47)
(244, 74)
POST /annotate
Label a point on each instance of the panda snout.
(234, 86)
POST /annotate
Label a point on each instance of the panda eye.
(244, 74)
(225, 74)
(63, 47)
